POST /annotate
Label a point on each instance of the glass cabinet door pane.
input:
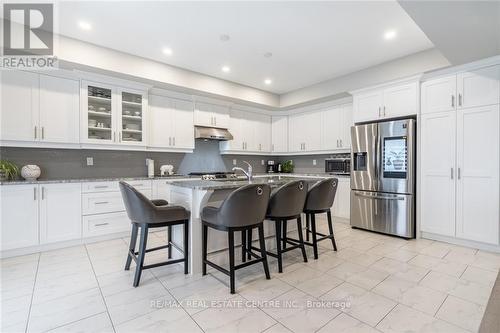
(131, 117)
(99, 113)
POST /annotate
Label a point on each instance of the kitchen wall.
(71, 163)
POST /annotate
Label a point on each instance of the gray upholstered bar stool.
(319, 200)
(286, 203)
(243, 210)
(145, 214)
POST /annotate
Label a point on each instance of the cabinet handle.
(458, 175)
(34, 193)
(102, 202)
(459, 99)
(215, 121)
(379, 109)
(451, 174)
(120, 137)
(452, 101)
(101, 186)
(43, 193)
(384, 111)
(272, 146)
(173, 140)
(169, 140)
(101, 224)
(114, 136)
(43, 132)
(35, 133)
(341, 143)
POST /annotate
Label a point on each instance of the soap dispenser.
(151, 167)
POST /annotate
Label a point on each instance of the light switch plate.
(234, 162)
(314, 162)
(90, 161)
(262, 162)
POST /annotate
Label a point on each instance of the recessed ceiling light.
(226, 69)
(390, 34)
(167, 51)
(224, 38)
(84, 25)
(268, 81)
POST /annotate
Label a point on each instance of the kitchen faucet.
(248, 173)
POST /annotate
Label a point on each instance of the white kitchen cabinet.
(279, 134)
(478, 174)
(170, 123)
(211, 115)
(112, 115)
(251, 133)
(345, 138)
(261, 138)
(19, 113)
(19, 216)
(342, 203)
(463, 90)
(479, 87)
(439, 95)
(331, 123)
(438, 173)
(105, 224)
(60, 212)
(59, 110)
(386, 102)
(304, 131)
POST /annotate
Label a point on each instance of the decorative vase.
(30, 172)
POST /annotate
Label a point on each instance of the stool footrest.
(170, 262)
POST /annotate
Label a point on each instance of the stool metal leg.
(284, 227)
(205, 247)
(308, 227)
(169, 239)
(141, 255)
(131, 247)
(314, 236)
(249, 243)
(231, 261)
(186, 246)
(244, 245)
(330, 227)
(278, 245)
(301, 238)
(263, 253)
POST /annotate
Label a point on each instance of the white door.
(477, 182)
(368, 106)
(479, 87)
(182, 123)
(98, 113)
(400, 100)
(220, 116)
(60, 212)
(19, 216)
(331, 124)
(346, 123)
(160, 121)
(19, 106)
(312, 130)
(203, 115)
(439, 95)
(59, 109)
(438, 173)
(279, 134)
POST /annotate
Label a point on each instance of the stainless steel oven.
(338, 166)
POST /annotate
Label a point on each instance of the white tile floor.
(374, 283)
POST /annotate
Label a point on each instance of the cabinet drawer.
(113, 186)
(105, 202)
(103, 224)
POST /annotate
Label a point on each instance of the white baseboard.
(461, 242)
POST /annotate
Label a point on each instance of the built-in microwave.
(338, 166)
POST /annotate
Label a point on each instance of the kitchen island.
(194, 195)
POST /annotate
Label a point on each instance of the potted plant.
(287, 166)
(8, 170)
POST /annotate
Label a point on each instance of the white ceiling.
(310, 41)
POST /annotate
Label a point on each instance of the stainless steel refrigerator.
(383, 177)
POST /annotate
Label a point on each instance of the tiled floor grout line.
(397, 303)
(74, 321)
(32, 293)
(100, 290)
(444, 300)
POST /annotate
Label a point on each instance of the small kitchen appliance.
(338, 166)
(214, 175)
(272, 167)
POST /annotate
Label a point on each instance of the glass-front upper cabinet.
(132, 117)
(112, 115)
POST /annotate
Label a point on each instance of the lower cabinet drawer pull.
(102, 202)
(101, 224)
(101, 186)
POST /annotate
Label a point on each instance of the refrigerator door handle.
(379, 197)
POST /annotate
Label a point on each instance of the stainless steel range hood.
(212, 133)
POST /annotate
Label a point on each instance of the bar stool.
(319, 200)
(286, 203)
(243, 210)
(145, 214)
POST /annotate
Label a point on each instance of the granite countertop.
(85, 180)
(272, 180)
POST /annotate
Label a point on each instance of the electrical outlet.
(234, 162)
(90, 161)
(314, 162)
(262, 162)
